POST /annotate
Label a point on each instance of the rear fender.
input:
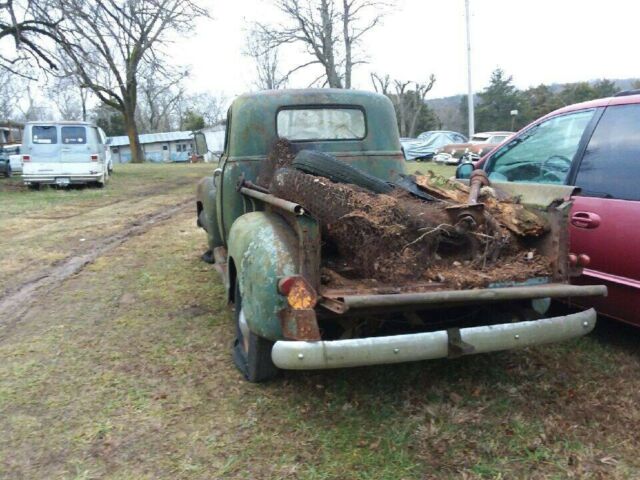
(207, 211)
(263, 248)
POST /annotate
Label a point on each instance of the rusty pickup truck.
(271, 253)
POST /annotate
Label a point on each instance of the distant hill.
(447, 109)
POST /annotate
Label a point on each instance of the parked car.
(474, 149)
(270, 250)
(15, 160)
(595, 146)
(8, 163)
(64, 153)
(426, 144)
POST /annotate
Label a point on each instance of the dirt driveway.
(115, 363)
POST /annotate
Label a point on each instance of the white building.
(156, 147)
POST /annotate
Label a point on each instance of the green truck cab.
(269, 250)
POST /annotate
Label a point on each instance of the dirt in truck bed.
(385, 240)
(398, 238)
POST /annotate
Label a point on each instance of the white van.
(62, 153)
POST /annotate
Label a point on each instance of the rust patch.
(299, 324)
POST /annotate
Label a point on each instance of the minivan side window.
(543, 153)
(74, 135)
(610, 167)
(46, 134)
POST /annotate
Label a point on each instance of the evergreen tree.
(192, 121)
(496, 102)
(577, 92)
(110, 120)
(605, 88)
(537, 102)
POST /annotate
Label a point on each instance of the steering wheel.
(557, 173)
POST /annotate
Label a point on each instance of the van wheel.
(251, 353)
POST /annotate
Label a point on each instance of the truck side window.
(610, 166)
(544, 152)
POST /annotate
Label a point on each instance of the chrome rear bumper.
(301, 355)
(51, 179)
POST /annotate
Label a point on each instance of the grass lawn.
(124, 371)
(437, 168)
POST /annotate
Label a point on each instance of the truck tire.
(325, 165)
(251, 353)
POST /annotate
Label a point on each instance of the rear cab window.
(75, 135)
(321, 123)
(44, 134)
(610, 166)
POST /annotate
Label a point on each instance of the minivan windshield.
(544, 152)
(44, 134)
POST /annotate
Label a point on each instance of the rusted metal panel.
(308, 232)
(449, 297)
(299, 324)
(273, 200)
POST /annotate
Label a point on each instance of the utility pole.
(470, 105)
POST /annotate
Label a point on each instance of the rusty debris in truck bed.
(468, 237)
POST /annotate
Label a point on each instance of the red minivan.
(595, 146)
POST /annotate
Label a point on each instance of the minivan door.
(604, 218)
(78, 153)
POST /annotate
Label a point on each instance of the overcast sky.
(541, 41)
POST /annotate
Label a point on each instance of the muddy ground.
(115, 363)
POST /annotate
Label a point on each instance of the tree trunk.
(348, 62)
(414, 120)
(134, 140)
(333, 78)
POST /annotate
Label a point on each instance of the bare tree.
(211, 107)
(108, 41)
(31, 34)
(266, 59)
(69, 98)
(10, 90)
(329, 30)
(159, 103)
(33, 108)
(408, 98)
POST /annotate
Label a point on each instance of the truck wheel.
(324, 165)
(251, 353)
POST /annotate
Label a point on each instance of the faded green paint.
(262, 245)
(207, 196)
(263, 248)
(253, 120)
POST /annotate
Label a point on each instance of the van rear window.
(74, 135)
(44, 134)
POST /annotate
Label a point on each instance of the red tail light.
(300, 295)
(94, 158)
(26, 158)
